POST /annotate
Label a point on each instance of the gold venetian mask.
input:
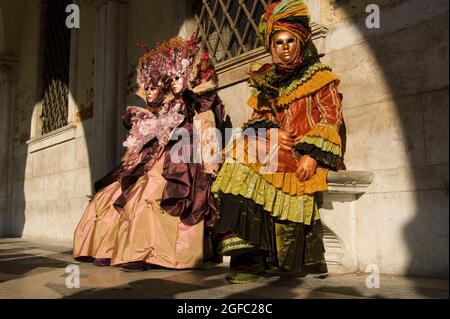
(285, 47)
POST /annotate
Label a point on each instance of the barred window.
(56, 57)
(229, 28)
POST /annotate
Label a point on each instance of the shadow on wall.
(414, 62)
(27, 103)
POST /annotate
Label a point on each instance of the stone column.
(319, 30)
(314, 10)
(110, 61)
(7, 80)
(188, 25)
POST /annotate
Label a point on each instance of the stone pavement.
(37, 269)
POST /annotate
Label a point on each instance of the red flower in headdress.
(193, 41)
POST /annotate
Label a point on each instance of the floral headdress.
(185, 58)
(150, 71)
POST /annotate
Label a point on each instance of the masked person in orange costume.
(269, 218)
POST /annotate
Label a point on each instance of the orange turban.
(286, 15)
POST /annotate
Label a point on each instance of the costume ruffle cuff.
(323, 143)
(258, 123)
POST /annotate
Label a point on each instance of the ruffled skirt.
(254, 213)
(142, 231)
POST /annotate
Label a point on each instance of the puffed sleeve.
(323, 141)
(212, 102)
(209, 117)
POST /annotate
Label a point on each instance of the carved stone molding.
(59, 136)
(339, 209)
(235, 70)
(6, 72)
(349, 182)
(319, 33)
(334, 250)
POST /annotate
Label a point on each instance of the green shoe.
(208, 265)
(237, 277)
(246, 276)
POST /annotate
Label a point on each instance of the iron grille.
(56, 57)
(229, 28)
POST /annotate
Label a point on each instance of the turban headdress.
(291, 16)
(286, 15)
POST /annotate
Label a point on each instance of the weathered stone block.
(235, 100)
(66, 183)
(436, 127)
(404, 232)
(83, 183)
(55, 159)
(82, 153)
(377, 138)
(35, 189)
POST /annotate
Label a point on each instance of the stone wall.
(51, 173)
(23, 110)
(395, 86)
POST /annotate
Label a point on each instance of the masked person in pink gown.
(95, 236)
(169, 212)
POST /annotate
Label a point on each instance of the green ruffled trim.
(232, 245)
(321, 149)
(313, 69)
(323, 144)
(261, 82)
(237, 179)
(328, 154)
(260, 123)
